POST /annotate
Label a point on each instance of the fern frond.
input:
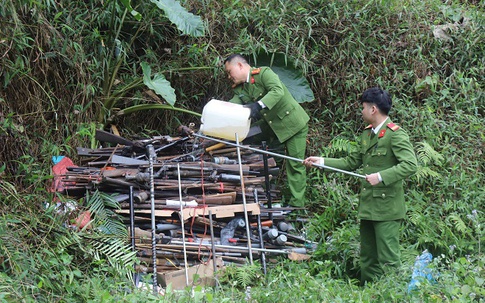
(67, 240)
(104, 218)
(340, 146)
(242, 276)
(107, 239)
(416, 218)
(424, 172)
(427, 155)
(458, 224)
(116, 250)
(247, 275)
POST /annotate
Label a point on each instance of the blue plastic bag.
(421, 270)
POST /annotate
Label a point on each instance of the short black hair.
(379, 97)
(234, 57)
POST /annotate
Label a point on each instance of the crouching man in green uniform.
(387, 158)
(273, 106)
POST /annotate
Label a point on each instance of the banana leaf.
(186, 22)
(293, 78)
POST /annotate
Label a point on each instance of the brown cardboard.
(205, 274)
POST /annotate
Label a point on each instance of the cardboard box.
(204, 272)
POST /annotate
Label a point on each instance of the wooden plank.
(220, 211)
(222, 199)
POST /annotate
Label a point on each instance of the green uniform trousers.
(295, 171)
(379, 249)
(294, 147)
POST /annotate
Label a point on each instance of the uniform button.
(383, 195)
(287, 112)
(378, 154)
(364, 188)
(270, 122)
(264, 114)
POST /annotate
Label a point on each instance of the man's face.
(368, 110)
(236, 72)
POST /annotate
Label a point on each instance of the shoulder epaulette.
(393, 126)
(256, 71)
(368, 126)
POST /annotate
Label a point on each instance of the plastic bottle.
(223, 120)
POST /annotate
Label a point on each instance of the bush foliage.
(69, 67)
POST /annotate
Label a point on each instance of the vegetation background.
(69, 67)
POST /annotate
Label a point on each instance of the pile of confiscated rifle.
(189, 200)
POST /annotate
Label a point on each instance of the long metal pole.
(212, 242)
(132, 232)
(278, 155)
(183, 227)
(151, 156)
(242, 248)
(244, 201)
(266, 179)
(260, 234)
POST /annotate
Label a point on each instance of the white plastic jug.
(223, 120)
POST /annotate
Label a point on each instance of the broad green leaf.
(133, 12)
(159, 84)
(293, 78)
(142, 107)
(186, 22)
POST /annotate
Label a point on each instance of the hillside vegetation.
(70, 67)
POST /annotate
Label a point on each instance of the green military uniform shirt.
(391, 154)
(282, 114)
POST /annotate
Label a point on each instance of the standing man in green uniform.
(261, 90)
(387, 158)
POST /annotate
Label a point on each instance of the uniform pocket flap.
(379, 151)
(382, 193)
(285, 111)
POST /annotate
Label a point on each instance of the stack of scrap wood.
(202, 175)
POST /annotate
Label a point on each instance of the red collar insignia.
(252, 80)
(382, 132)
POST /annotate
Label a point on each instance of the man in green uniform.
(387, 158)
(261, 90)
